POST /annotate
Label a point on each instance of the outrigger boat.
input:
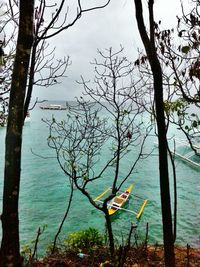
(185, 153)
(54, 107)
(118, 202)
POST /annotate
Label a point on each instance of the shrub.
(84, 240)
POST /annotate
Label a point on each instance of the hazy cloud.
(108, 27)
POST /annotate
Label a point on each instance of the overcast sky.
(108, 27)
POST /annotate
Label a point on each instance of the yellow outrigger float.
(118, 202)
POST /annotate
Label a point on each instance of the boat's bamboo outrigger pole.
(141, 209)
(119, 208)
(138, 214)
(102, 194)
(131, 211)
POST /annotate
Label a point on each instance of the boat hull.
(119, 201)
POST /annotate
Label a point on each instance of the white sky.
(101, 29)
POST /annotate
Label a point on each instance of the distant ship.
(53, 107)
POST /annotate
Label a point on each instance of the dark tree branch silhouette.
(149, 44)
(10, 254)
(22, 15)
(79, 140)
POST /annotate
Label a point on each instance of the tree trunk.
(162, 138)
(163, 167)
(31, 79)
(110, 233)
(10, 247)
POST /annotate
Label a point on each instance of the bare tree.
(10, 247)
(109, 120)
(10, 221)
(6, 65)
(45, 69)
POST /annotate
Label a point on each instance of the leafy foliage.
(84, 240)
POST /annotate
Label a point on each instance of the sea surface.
(45, 192)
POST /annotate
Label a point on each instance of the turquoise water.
(45, 191)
